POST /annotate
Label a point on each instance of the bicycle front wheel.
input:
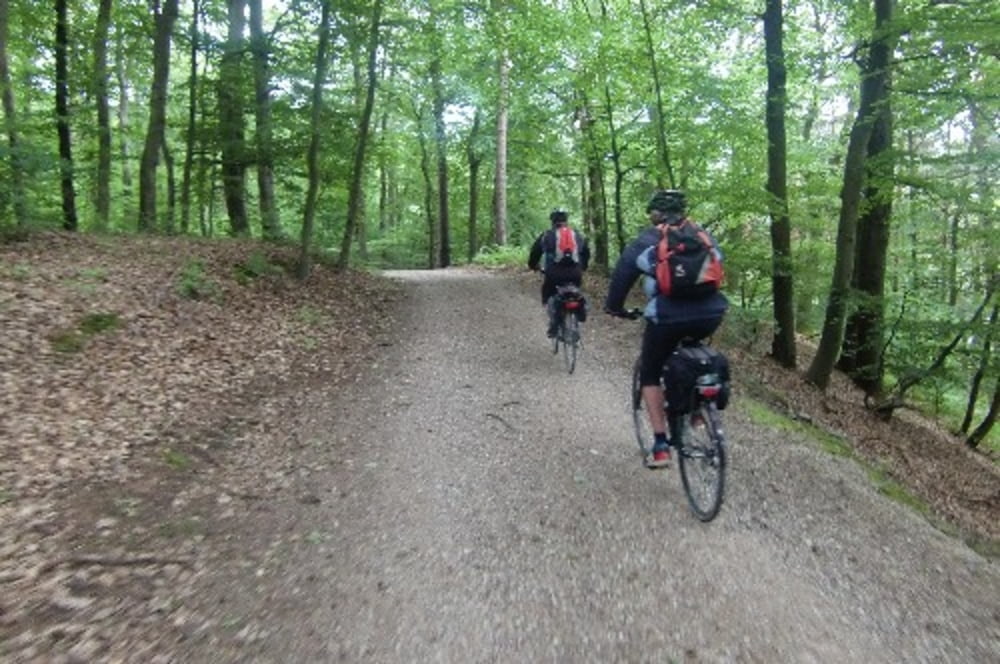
(640, 416)
(571, 339)
(702, 460)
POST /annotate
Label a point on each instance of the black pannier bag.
(684, 366)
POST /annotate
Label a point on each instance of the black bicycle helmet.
(558, 216)
(667, 200)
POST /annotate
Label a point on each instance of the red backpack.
(687, 265)
(566, 250)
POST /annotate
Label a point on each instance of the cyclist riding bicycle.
(566, 256)
(669, 319)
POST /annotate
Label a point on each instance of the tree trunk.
(270, 224)
(312, 157)
(10, 123)
(124, 147)
(425, 171)
(503, 108)
(977, 377)
(874, 92)
(864, 333)
(191, 141)
(102, 196)
(164, 21)
(355, 198)
(474, 159)
(170, 226)
(660, 115)
(62, 119)
(986, 425)
(441, 150)
(231, 121)
(782, 285)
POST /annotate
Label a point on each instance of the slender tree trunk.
(164, 21)
(952, 276)
(977, 377)
(312, 157)
(170, 226)
(660, 123)
(125, 143)
(270, 224)
(103, 181)
(986, 425)
(231, 121)
(782, 287)
(425, 171)
(441, 150)
(474, 159)
(874, 92)
(62, 118)
(192, 139)
(498, 7)
(10, 123)
(355, 197)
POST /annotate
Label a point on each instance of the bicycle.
(696, 436)
(569, 305)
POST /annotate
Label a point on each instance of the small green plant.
(176, 460)
(92, 324)
(67, 341)
(183, 528)
(195, 284)
(74, 339)
(17, 272)
(5, 496)
(310, 315)
(255, 267)
(93, 274)
(127, 507)
(492, 256)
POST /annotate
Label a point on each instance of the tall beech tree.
(270, 226)
(783, 339)
(874, 92)
(315, 136)
(62, 118)
(356, 194)
(10, 122)
(231, 124)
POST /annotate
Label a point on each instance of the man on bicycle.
(669, 319)
(566, 255)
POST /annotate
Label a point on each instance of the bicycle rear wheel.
(702, 460)
(640, 417)
(571, 339)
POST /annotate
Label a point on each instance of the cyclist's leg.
(656, 345)
(549, 301)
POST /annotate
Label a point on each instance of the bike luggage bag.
(684, 366)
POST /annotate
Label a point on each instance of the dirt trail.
(463, 499)
(475, 503)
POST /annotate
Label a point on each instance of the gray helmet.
(558, 216)
(667, 200)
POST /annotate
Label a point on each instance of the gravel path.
(471, 502)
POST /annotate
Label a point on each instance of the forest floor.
(137, 372)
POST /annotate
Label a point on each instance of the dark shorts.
(659, 340)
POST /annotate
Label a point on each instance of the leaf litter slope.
(396, 477)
